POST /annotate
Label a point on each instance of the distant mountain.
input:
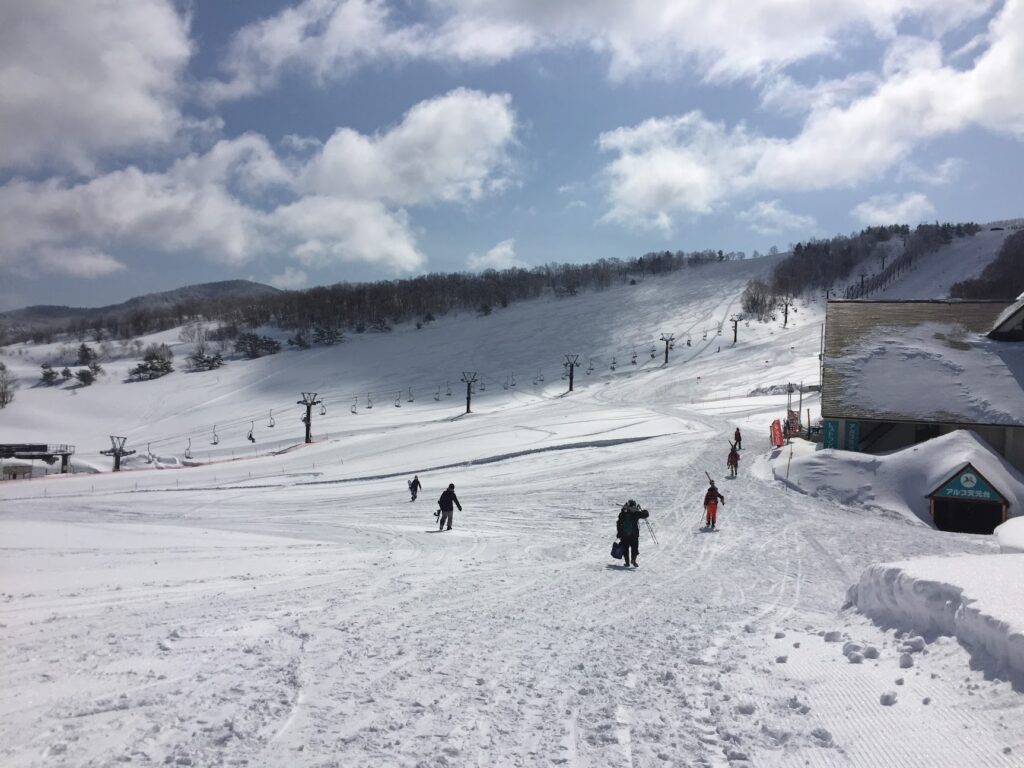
(41, 316)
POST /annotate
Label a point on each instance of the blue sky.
(147, 144)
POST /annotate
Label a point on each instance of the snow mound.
(974, 598)
(899, 481)
(1010, 536)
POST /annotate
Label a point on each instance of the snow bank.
(1011, 535)
(899, 481)
(974, 598)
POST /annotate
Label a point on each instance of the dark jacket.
(447, 499)
(415, 484)
(713, 496)
(734, 458)
(628, 524)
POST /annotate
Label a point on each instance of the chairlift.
(188, 451)
(654, 351)
(323, 409)
(613, 362)
(398, 399)
(448, 389)
(633, 361)
(590, 366)
(369, 401)
(410, 398)
(513, 382)
(252, 426)
(437, 395)
(505, 385)
(483, 387)
(540, 375)
(705, 334)
(355, 405)
(270, 422)
(215, 439)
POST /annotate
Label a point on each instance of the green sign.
(830, 434)
(968, 484)
(852, 442)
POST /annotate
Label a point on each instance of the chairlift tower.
(309, 400)
(571, 361)
(117, 450)
(470, 378)
(668, 338)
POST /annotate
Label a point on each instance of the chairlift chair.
(411, 398)
(513, 382)
(437, 395)
(355, 406)
(505, 385)
(613, 362)
(188, 450)
(323, 409)
(369, 401)
(448, 389)
(252, 426)
(633, 361)
(398, 399)
(215, 439)
(540, 375)
(270, 422)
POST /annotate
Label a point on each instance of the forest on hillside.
(373, 306)
(1001, 279)
(829, 265)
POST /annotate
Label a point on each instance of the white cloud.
(290, 280)
(727, 40)
(446, 149)
(768, 217)
(942, 174)
(88, 78)
(912, 208)
(240, 199)
(501, 256)
(690, 165)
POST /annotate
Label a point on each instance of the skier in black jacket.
(414, 486)
(448, 498)
(628, 529)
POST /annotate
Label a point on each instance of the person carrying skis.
(628, 529)
(711, 499)
(739, 439)
(733, 462)
(446, 502)
(414, 486)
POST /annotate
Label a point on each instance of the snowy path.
(332, 626)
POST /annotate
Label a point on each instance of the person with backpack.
(446, 503)
(628, 529)
(414, 486)
(733, 462)
(711, 499)
(739, 439)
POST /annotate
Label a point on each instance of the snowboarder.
(711, 499)
(448, 498)
(414, 486)
(733, 462)
(739, 439)
(628, 529)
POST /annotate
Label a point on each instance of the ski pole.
(650, 529)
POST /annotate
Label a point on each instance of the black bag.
(617, 550)
(438, 513)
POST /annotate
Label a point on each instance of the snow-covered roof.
(921, 361)
(1010, 318)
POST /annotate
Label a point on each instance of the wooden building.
(897, 373)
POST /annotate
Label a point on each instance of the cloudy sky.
(147, 144)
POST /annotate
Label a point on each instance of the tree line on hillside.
(326, 311)
(1003, 278)
(821, 265)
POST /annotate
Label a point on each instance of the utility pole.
(470, 378)
(668, 338)
(571, 361)
(735, 325)
(117, 451)
(785, 312)
(308, 400)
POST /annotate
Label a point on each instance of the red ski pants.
(712, 510)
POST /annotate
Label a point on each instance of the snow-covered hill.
(293, 607)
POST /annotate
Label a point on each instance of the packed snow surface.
(1010, 535)
(292, 607)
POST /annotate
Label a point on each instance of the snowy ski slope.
(296, 609)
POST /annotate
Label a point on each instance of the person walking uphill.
(733, 462)
(739, 439)
(711, 499)
(628, 529)
(446, 502)
(414, 486)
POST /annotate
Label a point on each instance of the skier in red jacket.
(711, 499)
